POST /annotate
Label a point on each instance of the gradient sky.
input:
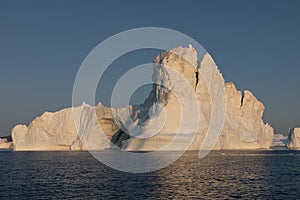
(42, 44)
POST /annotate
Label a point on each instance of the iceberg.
(6, 143)
(294, 138)
(279, 140)
(175, 116)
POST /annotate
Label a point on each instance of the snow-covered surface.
(243, 128)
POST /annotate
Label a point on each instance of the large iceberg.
(153, 125)
(243, 128)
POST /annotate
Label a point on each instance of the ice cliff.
(294, 138)
(153, 125)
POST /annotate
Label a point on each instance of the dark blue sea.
(273, 174)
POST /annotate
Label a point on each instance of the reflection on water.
(224, 175)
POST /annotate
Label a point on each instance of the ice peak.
(189, 54)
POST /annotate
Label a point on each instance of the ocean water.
(221, 175)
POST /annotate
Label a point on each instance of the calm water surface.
(220, 175)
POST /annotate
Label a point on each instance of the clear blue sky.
(42, 44)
